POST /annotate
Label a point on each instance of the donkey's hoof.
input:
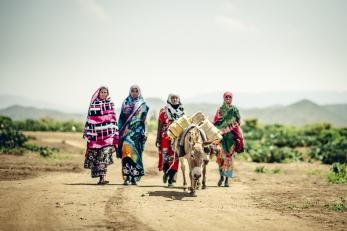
(203, 186)
(192, 194)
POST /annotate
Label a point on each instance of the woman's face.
(174, 100)
(103, 93)
(228, 99)
(134, 93)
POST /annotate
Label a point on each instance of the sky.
(61, 51)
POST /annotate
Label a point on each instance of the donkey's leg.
(193, 186)
(183, 169)
(193, 183)
(204, 176)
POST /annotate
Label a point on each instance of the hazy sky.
(62, 50)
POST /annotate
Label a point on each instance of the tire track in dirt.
(119, 217)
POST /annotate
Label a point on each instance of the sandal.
(220, 181)
(103, 182)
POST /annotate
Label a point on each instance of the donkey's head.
(195, 151)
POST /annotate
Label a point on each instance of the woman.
(132, 135)
(228, 119)
(101, 133)
(168, 160)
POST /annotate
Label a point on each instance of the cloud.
(235, 24)
(94, 8)
(230, 17)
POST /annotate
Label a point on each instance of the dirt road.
(72, 201)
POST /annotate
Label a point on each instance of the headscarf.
(174, 111)
(227, 114)
(228, 93)
(130, 101)
(137, 87)
(129, 105)
(97, 93)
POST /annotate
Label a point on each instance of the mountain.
(18, 112)
(266, 99)
(208, 109)
(300, 113)
(338, 109)
(10, 100)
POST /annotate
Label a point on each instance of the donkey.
(193, 143)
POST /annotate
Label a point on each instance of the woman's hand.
(157, 144)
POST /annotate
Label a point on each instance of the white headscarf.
(137, 87)
(174, 111)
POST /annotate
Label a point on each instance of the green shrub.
(279, 143)
(13, 141)
(44, 151)
(272, 154)
(48, 124)
(338, 174)
(331, 146)
(10, 137)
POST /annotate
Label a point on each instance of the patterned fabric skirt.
(131, 169)
(132, 165)
(226, 163)
(97, 160)
(170, 160)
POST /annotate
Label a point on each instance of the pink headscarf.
(228, 93)
(96, 94)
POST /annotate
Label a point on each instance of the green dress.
(224, 118)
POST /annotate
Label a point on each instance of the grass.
(291, 206)
(13, 151)
(277, 170)
(263, 169)
(339, 206)
(307, 204)
(260, 169)
(58, 156)
(314, 172)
